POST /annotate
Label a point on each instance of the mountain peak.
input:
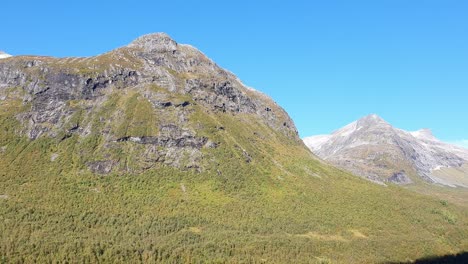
(162, 79)
(155, 42)
(364, 145)
(372, 119)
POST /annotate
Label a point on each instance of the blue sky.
(326, 62)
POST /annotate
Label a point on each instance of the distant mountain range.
(374, 149)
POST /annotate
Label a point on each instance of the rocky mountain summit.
(154, 94)
(371, 147)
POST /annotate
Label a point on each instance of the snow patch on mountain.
(4, 55)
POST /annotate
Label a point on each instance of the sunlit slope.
(121, 175)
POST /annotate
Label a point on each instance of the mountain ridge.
(362, 145)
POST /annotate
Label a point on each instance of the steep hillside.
(371, 147)
(153, 153)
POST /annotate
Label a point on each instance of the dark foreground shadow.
(447, 259)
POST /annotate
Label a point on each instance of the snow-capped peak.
(364, 145)
(371, 120)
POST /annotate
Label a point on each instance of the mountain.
(166, 116)
(4, 55)
(372, 148)
(153, 153)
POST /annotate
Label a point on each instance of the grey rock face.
(400, 178)
(374, 149)
(169, 136)
(101, 167)
(221, 96)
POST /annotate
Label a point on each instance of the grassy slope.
(284, 206)
(456, 195)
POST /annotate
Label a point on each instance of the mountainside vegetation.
(152, 153)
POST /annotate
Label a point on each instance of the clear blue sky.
(326, 62)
